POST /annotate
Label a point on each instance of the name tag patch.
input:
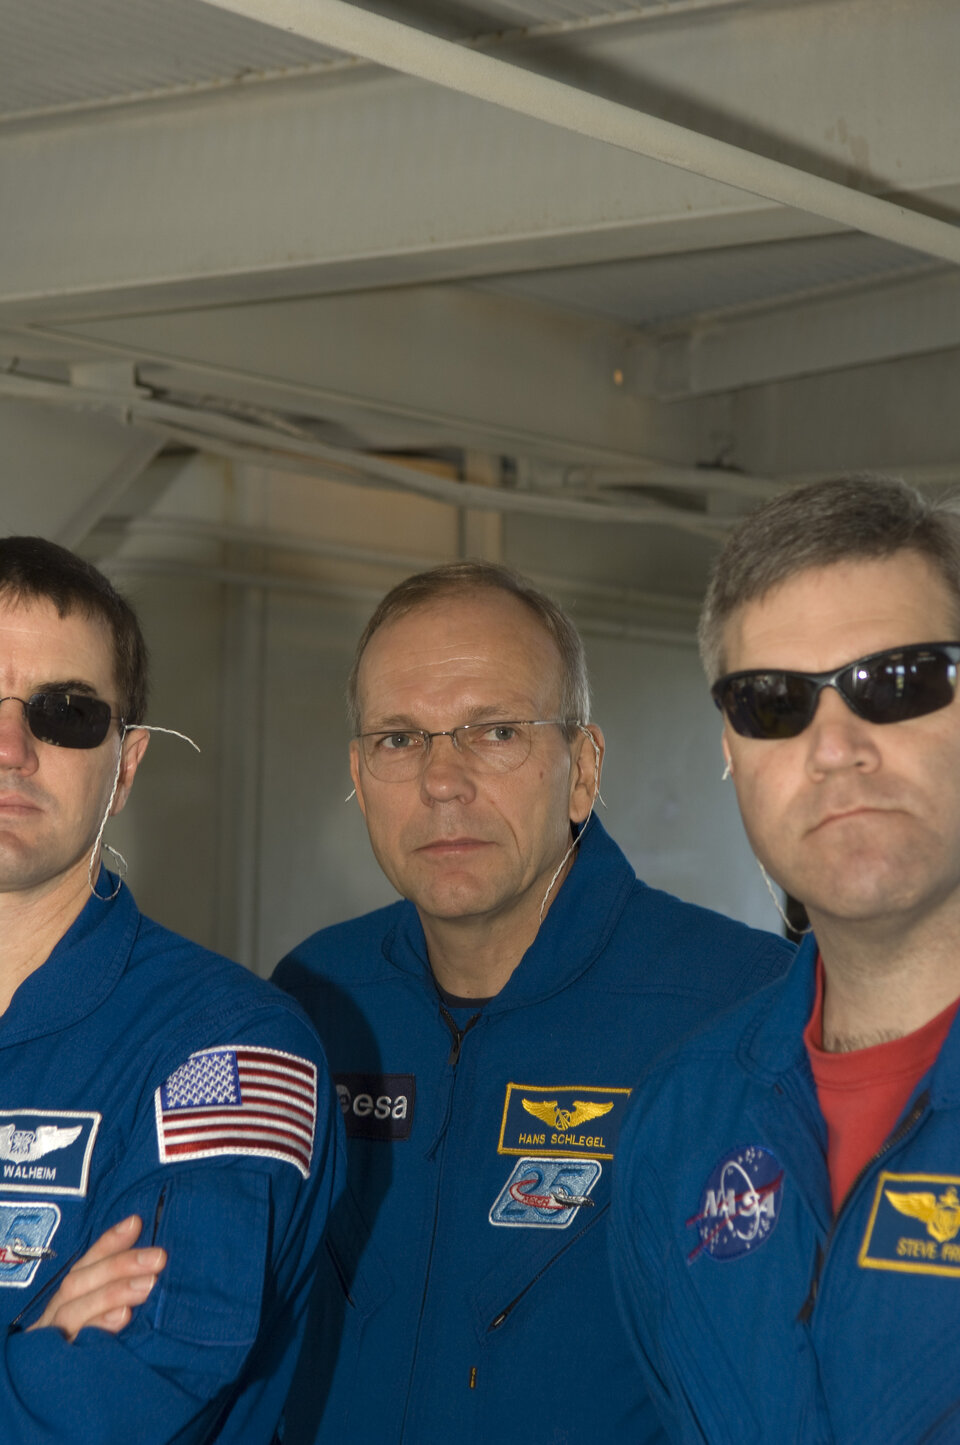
(45, 1151)
(554, 1121)
(25, 1234)
(377, 1106)
(914, 1225)
(546, 1193)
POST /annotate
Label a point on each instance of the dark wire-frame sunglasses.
(66, 719)
(892, 686)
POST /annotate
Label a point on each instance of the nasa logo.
(740, 1204)
(376, 1106)
(546, 1193)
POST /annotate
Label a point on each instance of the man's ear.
(727, 758)
(355, 774)
(133, 747)
(585, 774)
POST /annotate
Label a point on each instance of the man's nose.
(838, 738)
(17, 748)
(447, 771)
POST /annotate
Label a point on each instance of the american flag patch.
(239, 1100)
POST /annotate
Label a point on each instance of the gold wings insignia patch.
(941, 1216)
(549, 1112)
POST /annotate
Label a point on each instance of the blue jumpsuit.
(466, 1292)
(758, 1316)
(141, 1074)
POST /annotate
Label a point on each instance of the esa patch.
(45, 1151)
(377, 1106)
(740, 1204)
(913, 1226)
(559, 1120)
(25, 1234)
(546, 1193)
(239, 1099)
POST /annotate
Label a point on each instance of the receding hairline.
(466, 592)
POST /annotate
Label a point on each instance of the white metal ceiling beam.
(59, 481)
(209, 430)
(401, 47)
(295, 189)
(825, 333)
(471, 367)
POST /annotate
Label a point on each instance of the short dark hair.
(844, 519)
(32, 568)
(454, 579)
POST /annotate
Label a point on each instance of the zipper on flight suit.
(458, 1035)
(897, 1137)
(507, 1310)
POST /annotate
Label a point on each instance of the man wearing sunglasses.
(147, 1088)
(484, 1036)
(787, 1220)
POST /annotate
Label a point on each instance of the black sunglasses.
(886, 687)
(66, 719)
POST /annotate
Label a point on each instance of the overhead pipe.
(249, 442)
(400, 47)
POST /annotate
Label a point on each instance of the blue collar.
(83, 968)
(574, 931)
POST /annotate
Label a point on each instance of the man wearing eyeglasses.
(484, 1036)
(150, 1091)
(787, 1219)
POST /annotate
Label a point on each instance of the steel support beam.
(825, 333)
(288, 189)
(60, 480)
(358, 31)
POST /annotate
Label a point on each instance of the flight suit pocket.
(215, 1226)
(358, 1265)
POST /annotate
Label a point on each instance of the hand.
(106, 1284)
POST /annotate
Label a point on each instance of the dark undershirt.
(453, 1000)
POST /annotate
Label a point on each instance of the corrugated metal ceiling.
(62, 55)
(660, 289)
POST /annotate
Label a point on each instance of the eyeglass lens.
(68, 719)
(498, 747)
(893, 686)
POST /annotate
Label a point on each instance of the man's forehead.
(35, 636)
(481, 639)
(841, 611)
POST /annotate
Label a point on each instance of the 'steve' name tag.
(377, 1106)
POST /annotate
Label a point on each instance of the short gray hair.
(459, 579)
(845, 519)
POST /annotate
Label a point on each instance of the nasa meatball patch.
(377, 1106)
(46, 1152)
(740, 1204)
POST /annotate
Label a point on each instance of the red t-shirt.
(863, 1093)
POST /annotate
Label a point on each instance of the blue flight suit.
(141, 1074)
(466, 1293)
(759, 1318)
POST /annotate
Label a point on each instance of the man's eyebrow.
(400, 721)
(481, 712)
(73, 684)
